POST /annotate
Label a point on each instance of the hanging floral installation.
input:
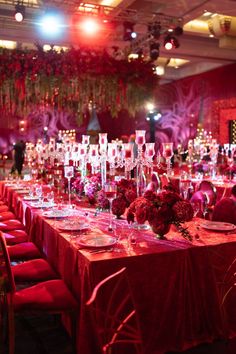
(69, 80)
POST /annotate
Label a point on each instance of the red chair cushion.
(23, 251)
(11, 224)
(15, 236)
(3, 208)
(34, 270)
(6, 215)
(52, 295)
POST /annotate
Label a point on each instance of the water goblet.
(110, 190)
(39, 193)
(50, 198)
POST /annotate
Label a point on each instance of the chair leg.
(11, 329)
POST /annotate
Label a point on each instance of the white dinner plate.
(50, 214)
(43, 205)
(96, 241)
(28, 197)
(23, 191)
(72, 226)
(218, 226)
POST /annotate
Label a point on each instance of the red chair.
(3, 208)
(34, 270)
(6, 215)
(115, 318)
(14, 237)
(199, 200)
(209, 189)
(12, 224)
(50, 296)
(225, 211)
(23, 251)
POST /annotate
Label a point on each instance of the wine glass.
(50, 197)
(110, 190)
(39, 193)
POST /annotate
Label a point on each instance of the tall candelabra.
(167, 154)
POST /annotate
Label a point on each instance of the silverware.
(101, 250)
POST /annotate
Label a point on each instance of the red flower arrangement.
(126, 194)
(71, 78)
(161, 210)
(88, 186)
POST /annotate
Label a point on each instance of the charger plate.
(43, 205)
(72, 227)
(218, 226)
(28, 197)
(55, 213)
(96, 241)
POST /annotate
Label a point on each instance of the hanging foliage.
(70, 80)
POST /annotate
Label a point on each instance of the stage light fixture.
(178, 31)
(51, 24)
(19, 12)
(154, 50)
(90, 26)
(171, 42)
(129, 33)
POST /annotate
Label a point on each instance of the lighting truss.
(112, 13)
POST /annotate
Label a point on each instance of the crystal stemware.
(110, 190)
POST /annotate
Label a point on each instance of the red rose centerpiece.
(161, 210)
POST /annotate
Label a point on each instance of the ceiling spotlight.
(154, 50)
(178, 31)
(171, 42)
(51, 24)
(19, 12)
(129, 33)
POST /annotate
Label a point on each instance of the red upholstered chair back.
(5, 267)
(225, 211)
(114, 314)
(199, 198)
(209, 189)
(164, 180)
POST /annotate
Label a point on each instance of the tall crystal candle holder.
(128, 158)
(83, 159)
(140, 141)
(94, 157)
(213, 155)
(167, 152)
(111, 156)
(85, 139)
(149, 154)
(103, 156)
(69, 173)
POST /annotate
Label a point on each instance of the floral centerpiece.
(88, 186)
(161, 210)
(126, 194)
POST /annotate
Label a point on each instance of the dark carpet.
(46, 335)
(41, 335)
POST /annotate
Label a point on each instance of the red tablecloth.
(176, 284)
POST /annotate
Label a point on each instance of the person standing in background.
(18, 157)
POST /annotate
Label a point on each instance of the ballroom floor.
(46, 336)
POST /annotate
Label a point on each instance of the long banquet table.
(178, 286)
